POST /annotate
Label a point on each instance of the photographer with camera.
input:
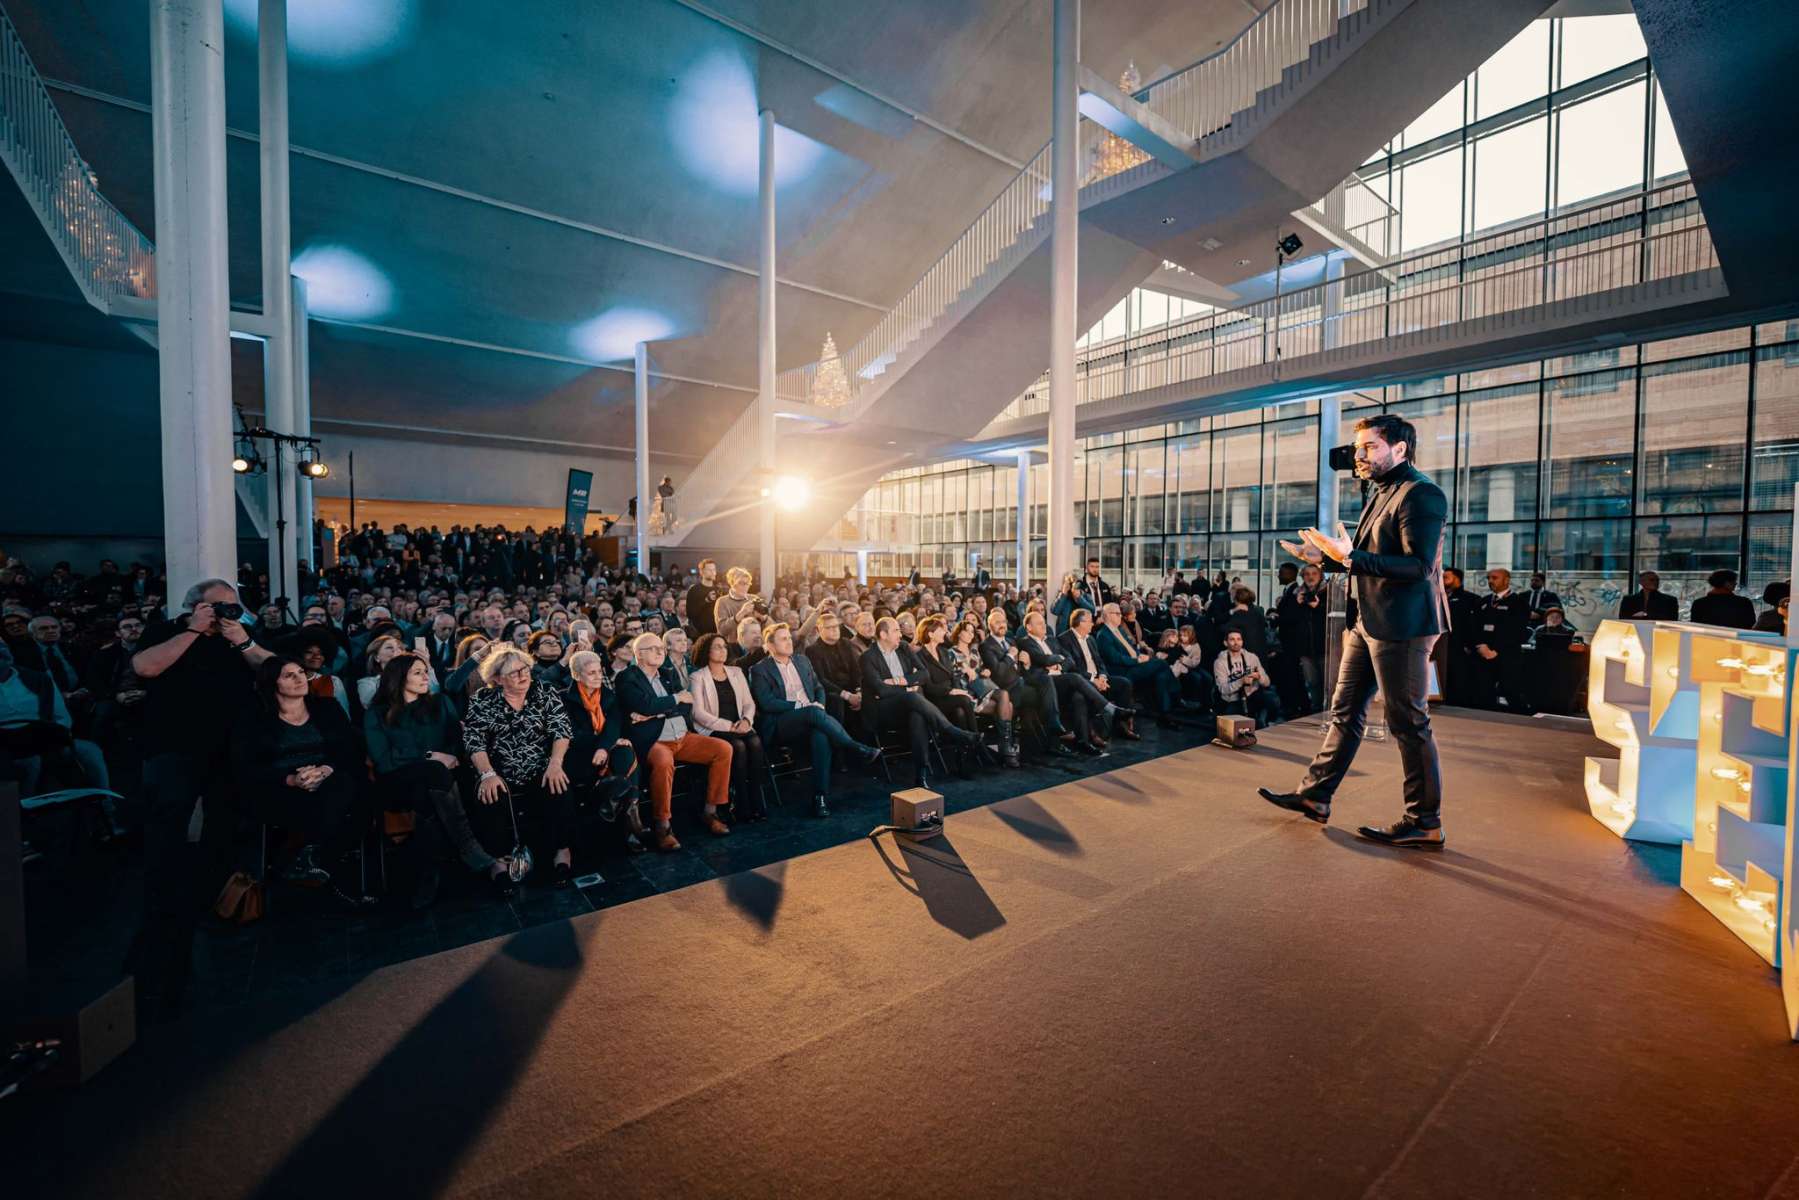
(198, 672)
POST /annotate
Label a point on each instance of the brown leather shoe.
(665, 841)
(716, 827)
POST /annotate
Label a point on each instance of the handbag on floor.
(240, 900)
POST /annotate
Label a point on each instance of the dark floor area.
(81, 908)
(1142, 982)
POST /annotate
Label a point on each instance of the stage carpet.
(1147, 982)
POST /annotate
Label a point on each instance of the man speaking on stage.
(1398, 608)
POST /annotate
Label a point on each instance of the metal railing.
(1204, 98)
(1649, 235)
(1199, 99)
(106, 254)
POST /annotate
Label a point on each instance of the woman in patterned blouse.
(516, 733)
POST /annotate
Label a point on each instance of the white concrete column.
(641, 457)
(193, 298)
(1330, 408)
(302, 360)
(277, 269)
(1330, 419)
(1024, 518)
(765, 350)
(1065, 220)
(862, 567)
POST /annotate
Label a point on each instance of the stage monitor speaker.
(95, 1026)
(1236, 732)
(915, 808)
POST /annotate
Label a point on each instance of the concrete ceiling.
(562, 177)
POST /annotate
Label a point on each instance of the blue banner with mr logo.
(575, 512)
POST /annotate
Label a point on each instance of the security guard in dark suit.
(1461, 685)
(1499, 634)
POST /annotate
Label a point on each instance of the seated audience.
(601, 759)
(545, 649)
(414, 742)
(662, 733)
(723, 708)
(963, 654)
(941, 685)
(1243, 684)
(297, 759)
(1077, 698)
(838, 666)
(1123, 658)
(1031, 693)
(790, 707)
(517, 734)
(749, 650)
(381, 650)
(894, 683)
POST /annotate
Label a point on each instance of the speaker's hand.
(1303, 550)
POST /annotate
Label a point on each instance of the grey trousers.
(1400, 670)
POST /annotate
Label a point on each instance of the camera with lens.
(228, 612)
(1342, 458)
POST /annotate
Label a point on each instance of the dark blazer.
(837, 665)
(1070, 646)
(1114, 652)
(937, 677)
(874, 672)
(996, 656)
(1732, 612)
(770, 693)
(1044, 657)
(635, 695)
(616, 721)
(1396, 565)
(1649, 606)
(254, 743)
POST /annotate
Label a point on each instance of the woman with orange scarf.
(600, 757)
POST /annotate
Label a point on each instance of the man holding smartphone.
(198, 671)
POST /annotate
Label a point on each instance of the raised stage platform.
(1147, 982)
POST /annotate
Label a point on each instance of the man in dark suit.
(838, 665)
(1720, 606)
(1094, 588)
(895, 683)
(1125, 659)
(1649, 602)
(790, 710)
(1395, 567)
(1075, 695)
(440, 643)
(1540, 598)
(1084, 661)
(1029, 692)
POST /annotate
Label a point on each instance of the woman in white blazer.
(722, 707)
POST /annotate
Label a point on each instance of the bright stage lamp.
(791, 492)
(240, 464)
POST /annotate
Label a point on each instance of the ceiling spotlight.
(1167, 220)
(1242, 262)
(1289, 245)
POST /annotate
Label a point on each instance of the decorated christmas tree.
(831, 386)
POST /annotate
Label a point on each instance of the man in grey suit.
(1395, 567)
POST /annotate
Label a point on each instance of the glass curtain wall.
(1679, 455)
